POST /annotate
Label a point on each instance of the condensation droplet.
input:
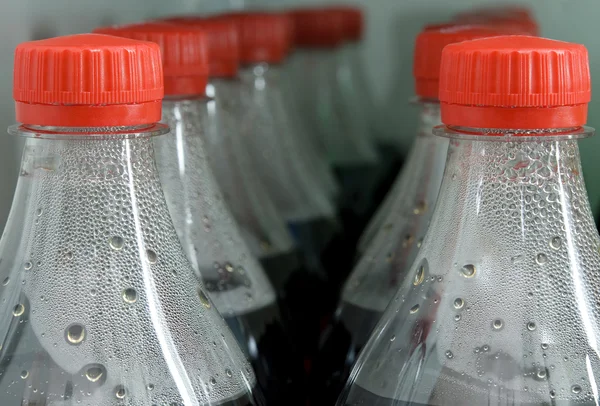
(531, 326)
(94, 374)
(213, 381)
(24, 374)
(39, 212)
(498, 324)
(408, 239)
(485, 348)
(555, 243)
(75, 334)
(459, 303)
(392, 338)
(468, 271)
(541, 259)
(545, 346)
(541, 374)
(576, 389)
(420, 207)
(414, 309)
(228, 373)
(120, 392)
(18, 310)
(419, 276)
(152, 257)
(552, 394)
(28, 265)
(419, 243)
(457, 317)
(130, 295)
(116, 243)
(229, 268)
(203, 298)
(6, 281)
(449, 354)
(150, 386)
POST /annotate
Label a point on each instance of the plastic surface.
(222, 42)
(389, 252)
(264, 37)
(319, 28)
(537, 77)
(184, 51)
(90, 234)
(41, 89)
(500, 304)
(428, 52)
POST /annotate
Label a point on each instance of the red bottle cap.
(428, 53)
(515, 82)
(318, 28)
(354, 23)
(264, 37)
(87, 80)
(184, 53)
(222, 40)
(507, 11)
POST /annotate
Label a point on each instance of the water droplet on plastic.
(541, 374)
(541, 259)
(152, 257)
(150, 386)
(555, 243)
(414, 309)
(392, 338)
(449, 354)
(75, 334)
(498, 324)
(457, 317)
(459, 303)
(116, 243)
(28, 265)
(130, 295)
(213, 381)
(6, 281)
(39, 212)
(420, 207)
(408, 239)
(419, 276)
(531, 326)
(203, 298)
(468, 271)
(24, 374)
(228, 373)
(120, 392)
(18, 310)
(419, 243)
(229, 268)
(552, 394)
(485, 348)
(545, 346)
(576, 389)
(94, 374)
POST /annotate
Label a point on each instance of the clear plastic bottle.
(336, 116)
(500, 305)
(234, 279)
(380, 271)
(100, 305)
(266, 135)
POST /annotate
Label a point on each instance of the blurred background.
(391, 28)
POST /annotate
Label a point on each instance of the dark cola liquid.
(277, 364)
(340, 345)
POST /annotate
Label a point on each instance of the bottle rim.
(513, 135)
(88, 133)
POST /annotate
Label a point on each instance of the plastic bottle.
(379, 272)
(234, 279)
(100, 305)
(500, 305)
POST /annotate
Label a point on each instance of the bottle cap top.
(428, 52)
(319, 28)
(263, 37)
(87, 80)
(183, 50)
(515, 82)
(222, 40)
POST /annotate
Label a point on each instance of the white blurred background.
(391, 28)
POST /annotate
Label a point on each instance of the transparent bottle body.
(100, 305)
(338, 123)
(379, 272)
(261, 222)
(404, 187)
(268, 137)
(500, 305)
